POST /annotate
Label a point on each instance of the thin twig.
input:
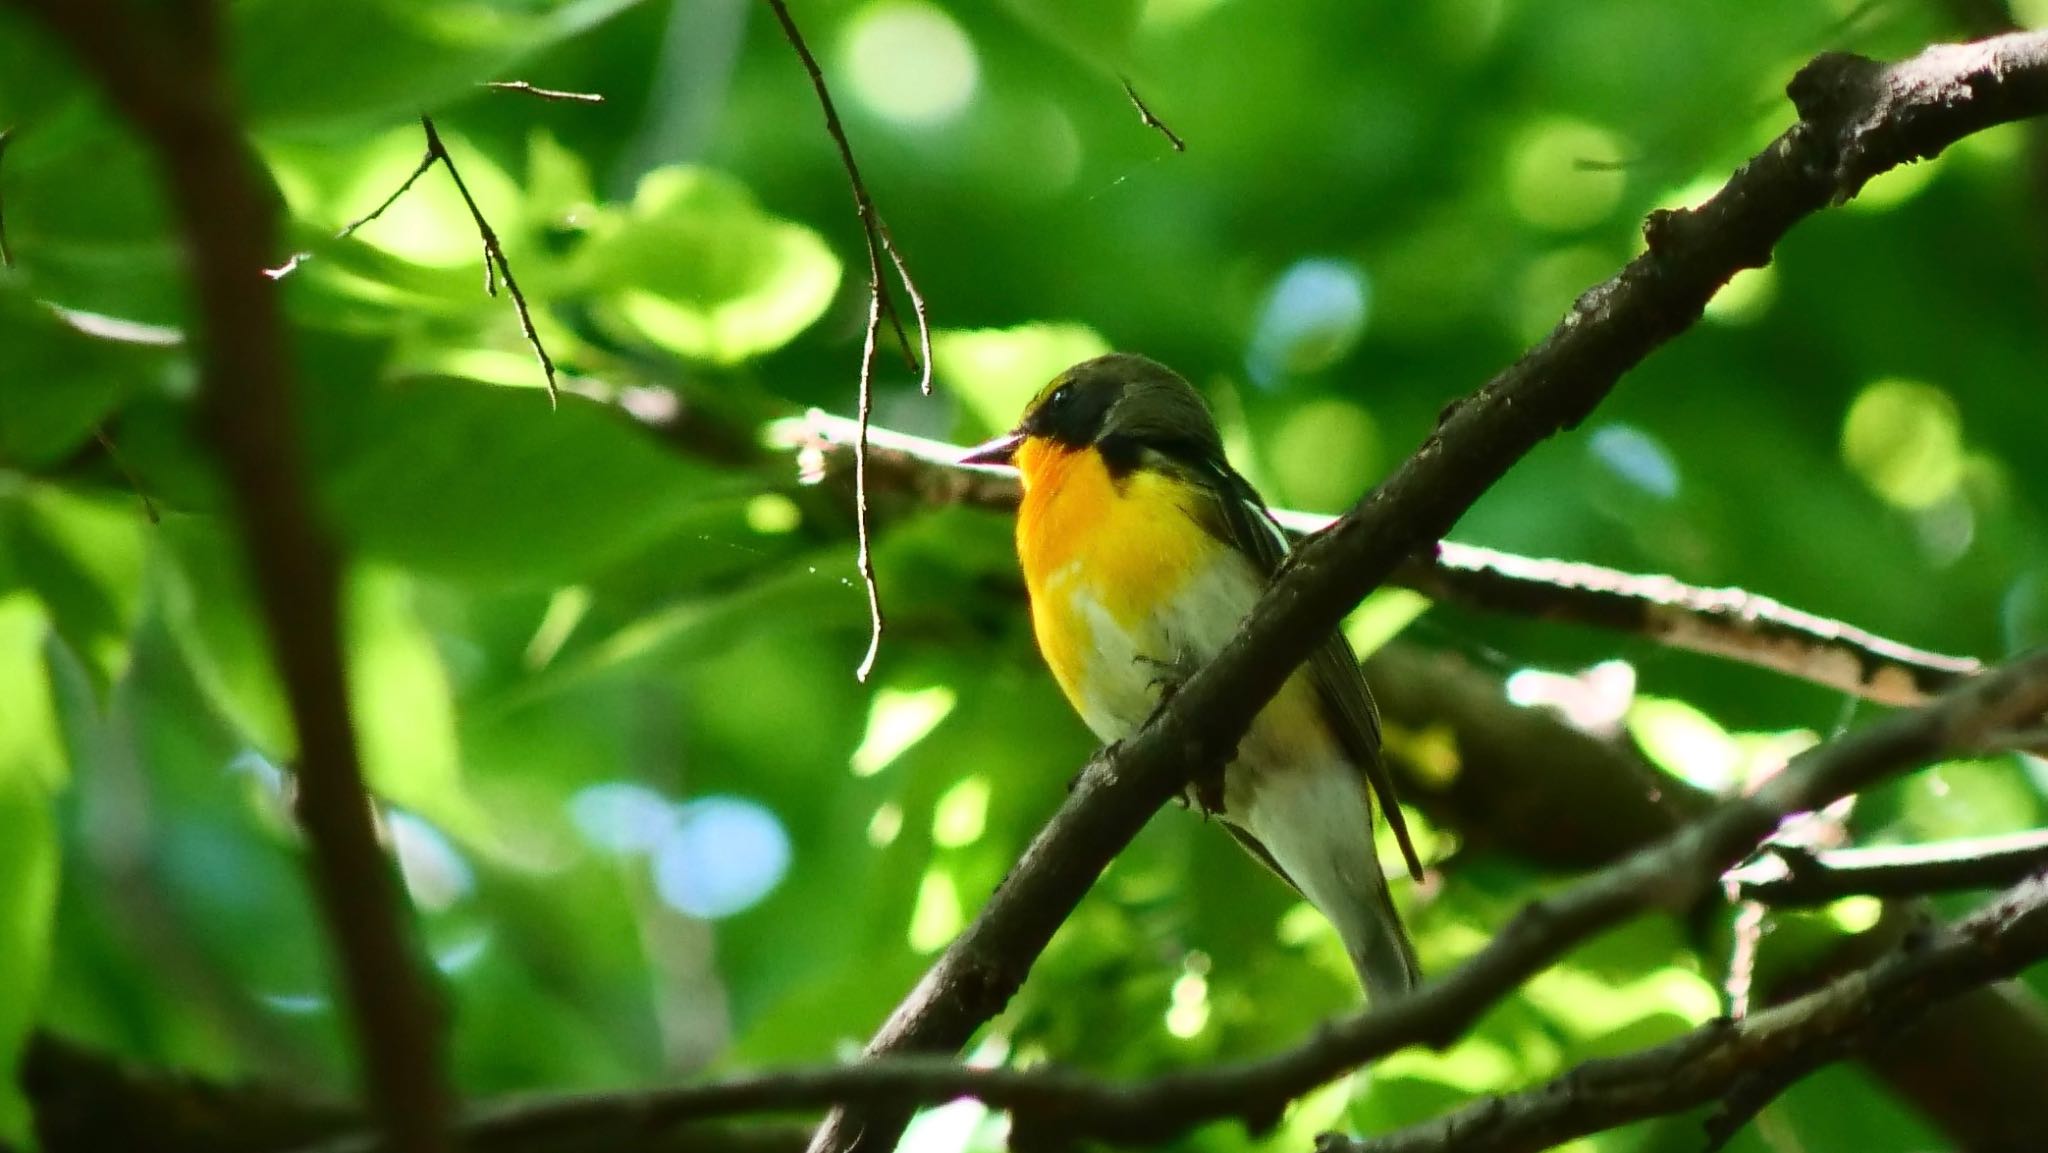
(1790, 877)
(6, 253)
(880, 304)
(1149, 120)
(421, 169)
(164, 70)
(544, 93)
(106, 443)
(1730, 623)
(496, 264)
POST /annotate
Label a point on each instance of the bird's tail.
(1315, 822)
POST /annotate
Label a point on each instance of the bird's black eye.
(1060, 396)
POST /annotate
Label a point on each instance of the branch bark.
(163, 67)
(1744, 1063)
(1727, 622)
(1858, 117)
(1056, 1106)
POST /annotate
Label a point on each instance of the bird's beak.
(1001, 450)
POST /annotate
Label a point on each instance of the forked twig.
(496, 265)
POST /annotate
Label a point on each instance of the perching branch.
(1669, 875)
(1742, 1063)
(1858, 118)
(1730, 623)
(880, 303)
(163, 68)
(1790, 877)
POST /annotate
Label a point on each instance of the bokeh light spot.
(724, 855)
(435, 873)
(1637, 458)
(1745, 298)
(909, 62)
(621, 817)
(773, 514)
(961, 813)
(1564, 174)
(897, 720)
(937, 916)
(1325, 453)
(1312, 318)
(885, 825)
(1905, 440)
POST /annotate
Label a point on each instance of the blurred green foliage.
(602, 656)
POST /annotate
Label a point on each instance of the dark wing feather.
(1240, 520)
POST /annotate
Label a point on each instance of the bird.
(1142, 551)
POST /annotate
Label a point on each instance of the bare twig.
(1860, 117)
(1670, 875)
(880, 304)
(6, 253)
(544, 93)
(1728, 622)
(1146, 117)
(496, 264)
(1789, 877)
(163, 69)
(106, 443)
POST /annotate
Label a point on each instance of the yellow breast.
(1100, 552)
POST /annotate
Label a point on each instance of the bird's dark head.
(1120, 404)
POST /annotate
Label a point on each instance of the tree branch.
(168, 79)
(1671, 875)
(1792, 877)
(1859, 116)
(1728, 622)
(1747, 1062)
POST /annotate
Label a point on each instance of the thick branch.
(1789, 877)
(1670, 875)
(169, 81)
(1727, 622)
(1610, 329)
(1762, 1052)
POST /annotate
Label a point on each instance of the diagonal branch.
(1671, 875)
(1860, 116)
(168, 78)
(1728, 622)
(1742, 1063)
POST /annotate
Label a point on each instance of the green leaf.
(32, 767)
(489, 487)
(305, 66)
(204, 598)
(61, 380)
(83, 556)
(696, 267)
(404, 706)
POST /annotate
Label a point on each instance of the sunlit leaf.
(698, 268)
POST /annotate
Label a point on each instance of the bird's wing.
(1240, 519)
